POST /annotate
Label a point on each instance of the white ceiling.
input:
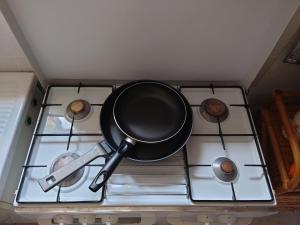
(158, 39)
(12, 57)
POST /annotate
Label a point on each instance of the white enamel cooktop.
(186, 178)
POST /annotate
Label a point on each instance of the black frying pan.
(145, 112)
(141, 152)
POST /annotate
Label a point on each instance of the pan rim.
(149, 82)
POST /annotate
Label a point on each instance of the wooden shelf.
(281, 152)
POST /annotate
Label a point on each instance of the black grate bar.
(212, 88)
(240, 105)
(195, 105)
(32, 166)
(255, 165)
(58, 194)
(79, 86)
(97, 104)
(233, 192)
(195, 165)
(70, 134)
(221, 134)
(45, 105)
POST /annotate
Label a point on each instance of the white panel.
(12, 57)
(14, 92)
(170, 39)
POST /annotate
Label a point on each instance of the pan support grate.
(176, 181)
(221, 134)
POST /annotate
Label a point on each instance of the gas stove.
(218, 176)
(221, 165)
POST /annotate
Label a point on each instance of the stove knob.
(109, 219)
(87, 219)
(63, 219)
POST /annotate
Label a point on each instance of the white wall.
(12, 57)
(275, 74)
(158, 39)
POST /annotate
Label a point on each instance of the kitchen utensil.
(148, 112)
(142, 152)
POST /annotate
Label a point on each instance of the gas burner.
(79, 109)
(61, 161)
(225, 169)
(213, 109)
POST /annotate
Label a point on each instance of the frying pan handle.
(111, 165)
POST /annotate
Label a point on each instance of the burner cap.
(213, 109)
(78, 109)
(225, 169)
(76, 106)
(63, 160)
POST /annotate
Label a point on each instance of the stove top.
(222, 161)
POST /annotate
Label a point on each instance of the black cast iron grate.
(186, 166)
(27, 164)
(221, 135)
